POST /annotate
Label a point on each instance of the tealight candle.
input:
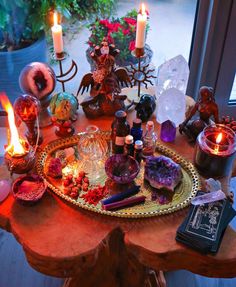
(141, 30)
(57, 36)
(215, 151)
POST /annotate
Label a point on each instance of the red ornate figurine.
(105, 82)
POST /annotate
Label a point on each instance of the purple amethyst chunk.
(162, 172)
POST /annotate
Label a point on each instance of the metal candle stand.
(140, 75)
(61, 77)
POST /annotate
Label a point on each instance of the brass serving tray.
(181, 198)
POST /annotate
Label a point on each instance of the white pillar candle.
(57, 36)
(141, 28)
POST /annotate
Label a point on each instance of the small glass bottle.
(120, 129)
(149, 140)
(137, 130)
(138, 151)
(129, 145)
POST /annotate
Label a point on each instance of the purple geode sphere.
(162, 172)
(122, 168)
(37, 79)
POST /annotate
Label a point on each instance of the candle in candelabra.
(215, 151)
(141, 28)
(57, 36)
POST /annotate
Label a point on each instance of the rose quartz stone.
(5, 188)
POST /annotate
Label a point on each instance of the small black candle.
(215, 151)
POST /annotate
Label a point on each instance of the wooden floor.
(16, 272)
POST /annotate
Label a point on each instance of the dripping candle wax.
(215, 151)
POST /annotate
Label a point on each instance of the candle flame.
(25, 111)
(143, 9)
(15, 146)
(55, 18)
(219, 138)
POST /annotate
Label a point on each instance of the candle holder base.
(138, 53)
(60, 56)
(20, 164)
(64, 132)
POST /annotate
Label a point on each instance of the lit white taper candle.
(141, 28)
(57, 36)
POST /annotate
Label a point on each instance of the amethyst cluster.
(162, 172)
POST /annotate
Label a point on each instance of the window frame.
(212, 49)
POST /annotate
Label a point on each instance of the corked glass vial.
(138, 151)
(129, 145)
(120, 129)
(149, 140)
(136, 130)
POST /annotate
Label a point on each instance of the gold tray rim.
(70, 141)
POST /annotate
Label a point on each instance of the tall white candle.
(141, 28)
(57, 36)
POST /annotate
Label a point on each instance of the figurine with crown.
(104, 83)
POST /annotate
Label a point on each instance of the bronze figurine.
(206, 107)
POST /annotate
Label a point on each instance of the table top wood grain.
(62, 240)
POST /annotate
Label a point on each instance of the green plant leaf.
(4, 19)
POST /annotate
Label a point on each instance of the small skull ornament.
(145, 107)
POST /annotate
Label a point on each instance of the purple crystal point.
(168, 131)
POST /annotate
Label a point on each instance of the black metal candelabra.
(61, 78)
(140, 74)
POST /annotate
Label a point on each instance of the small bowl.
(122, 168)
(34, 192)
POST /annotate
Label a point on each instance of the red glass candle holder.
(215, 151)
(27, 108)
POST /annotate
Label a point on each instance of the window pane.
(233, 92)
(171, 26)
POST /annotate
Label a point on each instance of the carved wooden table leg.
(114, 266)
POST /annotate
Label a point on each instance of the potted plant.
(119, 31)
(22, 38)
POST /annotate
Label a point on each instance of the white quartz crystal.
(172, 74)
(171, 106)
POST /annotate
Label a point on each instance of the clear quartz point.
(208, 197)
(173, 73)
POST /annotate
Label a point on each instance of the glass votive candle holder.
(215, 151)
